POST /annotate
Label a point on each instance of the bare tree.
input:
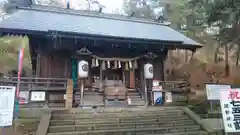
(94, 5)
(55, 3)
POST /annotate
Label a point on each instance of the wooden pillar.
(142, 82)
(101, 79)
(132, 79)
(158, 68)
(38, 66)
(69, 94)
(123, 77)
(50, 59)
(65, 68)
(164, 69)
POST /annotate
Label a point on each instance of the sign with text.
(7, 98)
(213, 90)
(168, 97)
(38, 96)
(230, 106)
(23, 97)
(156, 85)
(157, 94)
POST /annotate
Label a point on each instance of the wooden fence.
(54, 89)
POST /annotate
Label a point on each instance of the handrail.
(44, 123)
(198, 120)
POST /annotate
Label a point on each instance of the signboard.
(7, 98)
(157, 97)
(168, 97)
(38, 96)
(230, 106)
(213, 90)
(156, 85)
(157, 94)
(23, 97)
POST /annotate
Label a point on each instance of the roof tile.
(45, 21)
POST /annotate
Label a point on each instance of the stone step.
(179, 133)
(115, 116)
(159, 130)
(112, 121)
(138, 102)
(135, 97)
(109, 111)
(117, 122)
(134, 94)
(105, 126)
(125, 113)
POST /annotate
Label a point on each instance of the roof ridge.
(90, 14)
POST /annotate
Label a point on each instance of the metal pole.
(82, 89)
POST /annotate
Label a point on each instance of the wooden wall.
(53, 66)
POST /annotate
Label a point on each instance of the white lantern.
(148, 71)
(83, 69)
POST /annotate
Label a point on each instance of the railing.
(35, 83)
(179, 90)
(53, 87)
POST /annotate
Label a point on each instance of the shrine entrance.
(116, 48)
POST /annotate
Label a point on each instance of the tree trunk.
(238, 54)
(216, 54)
(226, 61)
(186, 56)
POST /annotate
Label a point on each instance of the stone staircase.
(136, 98)
(141, 121)
(90, 98)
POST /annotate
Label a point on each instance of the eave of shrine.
(72, 25)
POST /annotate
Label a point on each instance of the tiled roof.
(45, 20)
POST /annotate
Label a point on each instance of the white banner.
(213, 90)
(230, 106)
(38, 96)
(7, 98)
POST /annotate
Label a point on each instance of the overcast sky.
(110, 5)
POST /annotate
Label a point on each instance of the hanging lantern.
(126, 66)
(148, 71)
(103, 66)
(97, 63)
(83, 69)
(93, 63)
(119, 64)
(135, 65)
(108, 64)
(130, 64)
